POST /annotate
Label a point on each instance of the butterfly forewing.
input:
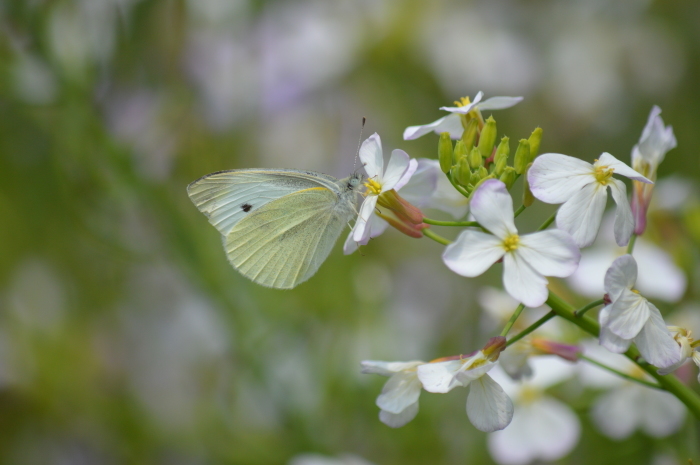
(283, 243)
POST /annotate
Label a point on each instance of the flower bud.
(494, 347)
(483, 172)
(487, 139)
(528, 198)
(500, 160)
(565, 351)
(475, 159)
(522, 156)
(508, 176)
(462, 172)
(401, 208)
(460, 152)
(534, 140)
(469, 134)
(475, 178)
(445, 152)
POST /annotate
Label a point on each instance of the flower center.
(603, 174)
(373, 187)
(511, 242)
(528, 395)
(463, 102)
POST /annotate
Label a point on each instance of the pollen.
(373, 187)
(511, 242)
(603, 174)
(463, 102)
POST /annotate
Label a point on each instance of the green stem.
(513, 317)
(619, 373)
(457, 186)
(669, 382)
(531, 328)
(630, 246)
(436, 237)
(451, 223)
(549, 221)
(581, 311)
(520, 209)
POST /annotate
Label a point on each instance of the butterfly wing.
(284, 242)
(227, 197)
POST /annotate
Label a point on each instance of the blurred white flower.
(399, 398)
(488, 406)
(527, 259)
(632, 317)
(34, 81)
(318, 459)
(543, 428)
(452, 123)
(430, 188)
(581, 188)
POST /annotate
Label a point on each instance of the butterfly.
(278, 225)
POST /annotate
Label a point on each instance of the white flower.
(628, 405)
(527, 259)
(452, 123)
(399, 398)
(543, 428)
(581, 188)
(488, 407)
(688, 349)
(397, 174)
(632, 317)
(655, 142)
(430, 188)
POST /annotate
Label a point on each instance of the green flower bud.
(462, 172)
(483, 172)
(522, 156)
(487, 139)
(535, 139)
(460, 151)
(445, 152)
(528, 198)
(474, 180)
(500, 161)
(475, 159)
(469, 134)
(508, 177)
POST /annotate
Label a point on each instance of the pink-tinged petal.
(422, 183)
(361, 232)
(372, 158)
(628, 314)
(499, 103)
(375, 228)
(451, 123)
(621, 275)
(522, 282)
(624, 220)
(581, 215)
(488, 407)
(396, 169)
(620, 168)
(550, 253)
(379, 367)
(408, 174)
(467, 108)
(607, 338)
(492, 206)
(472, 253)
(439, 376)
(663, 414)
(554, 177)
(655, 342)
(656, 140)
(397, 420)
(401, 391)
(616, 413)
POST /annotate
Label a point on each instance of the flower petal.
(439, 376)
(408, 174)
(472, 253)
(401, 391)
(607, 338)
(466, 108)
(628, 314)
(488, 407)
(451, 123)
(663, 414)
(492, 206)
(620, 168)
(554, 177)
(624, 220)
(395, 170)
(621, 275)
(387, 368)
(581, 215)
(499, 103)
(375, 227)
(467, 376)
(616, 413)
(371, 156)
(655, 342)
(397, 420)
(550, 253)
(423, 181)
(360, 230)
(522, 282)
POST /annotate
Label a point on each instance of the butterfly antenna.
(359, 144)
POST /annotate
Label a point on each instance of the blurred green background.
(125, 336)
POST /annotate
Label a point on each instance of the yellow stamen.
(373, 187)
(511, 242)
(463, 102)
(603, 174)
(635, 291)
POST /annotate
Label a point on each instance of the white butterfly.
(278, 226)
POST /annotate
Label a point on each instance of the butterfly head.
(355, 181)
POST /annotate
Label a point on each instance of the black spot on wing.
(246, 207)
